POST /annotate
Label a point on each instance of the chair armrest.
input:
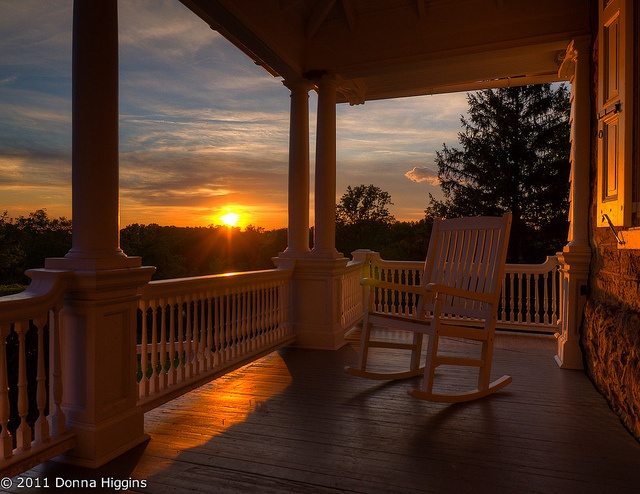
(417, 289)
(457, 292)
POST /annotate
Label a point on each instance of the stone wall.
(610, 333)
(611, 327)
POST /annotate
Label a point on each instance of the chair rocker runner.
(458, 298)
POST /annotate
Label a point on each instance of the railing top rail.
(354, 265)
(170, 287)
(549, 263)
(43, 293)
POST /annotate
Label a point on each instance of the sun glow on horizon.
(230, 219)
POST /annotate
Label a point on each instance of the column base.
(316, 303)
(98, 326)
(327, 254)
(99, 444)
(569, 354)
(575, 261)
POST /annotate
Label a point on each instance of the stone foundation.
(611, 345)
(611, 328)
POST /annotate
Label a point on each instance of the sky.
(203, 130)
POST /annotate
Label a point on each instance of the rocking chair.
(457, 298)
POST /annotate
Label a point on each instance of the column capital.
(328, 82)
(297, 86)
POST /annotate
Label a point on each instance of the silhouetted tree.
(363, 219)
(364, 203)
(514, 157)
(26, 241)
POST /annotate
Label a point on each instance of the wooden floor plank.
(294, 422)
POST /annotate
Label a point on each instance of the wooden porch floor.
(294, 422)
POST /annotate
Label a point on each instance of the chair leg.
(364, 345)
(430, 364)
(484, 374)
(485, 386)
(416, 352)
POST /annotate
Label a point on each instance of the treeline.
(26, 241)
(178, 252)
(395, 240)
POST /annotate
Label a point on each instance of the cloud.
(423, 174)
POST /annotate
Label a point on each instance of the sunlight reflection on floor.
(222, 403)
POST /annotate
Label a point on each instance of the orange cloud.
(423, 174)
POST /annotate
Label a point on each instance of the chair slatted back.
(468, 254)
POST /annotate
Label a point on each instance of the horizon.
(203, 130)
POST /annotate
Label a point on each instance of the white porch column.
(95, 194)
(298, 203)
(98, 321)
(317, 278)
(576, 255)
(325, 179)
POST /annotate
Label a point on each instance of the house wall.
(611, 324)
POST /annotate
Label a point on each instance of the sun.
(230, 219)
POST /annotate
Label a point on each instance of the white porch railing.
(193, 329)
(530, 300)
(33, 427)
(352, 307)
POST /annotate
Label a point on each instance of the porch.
(185, 333)
(293, 421)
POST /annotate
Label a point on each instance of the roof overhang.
(393, 48)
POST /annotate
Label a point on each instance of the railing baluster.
(181, 347)
(536, 284)
(246, 343)
(227, 326)
(154, 379)
(23, 434)
(6, 440)
(503, 298)
(188, 339)
(144, 355)
(525, 298)
(173, 371)
(57, 419)
(272, 307)
(202, 334)
(253, 311)
(555, 295)
(209, 351)
(163, 371)
(217, 333)
(545, 298)
(41, 427)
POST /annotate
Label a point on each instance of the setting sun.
(230, 219)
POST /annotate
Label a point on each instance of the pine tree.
(514, 157)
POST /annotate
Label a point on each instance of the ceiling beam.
(350, 12)
(321, 9)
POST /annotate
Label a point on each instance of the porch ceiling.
(393, 48)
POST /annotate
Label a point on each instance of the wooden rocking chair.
(458, 297)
